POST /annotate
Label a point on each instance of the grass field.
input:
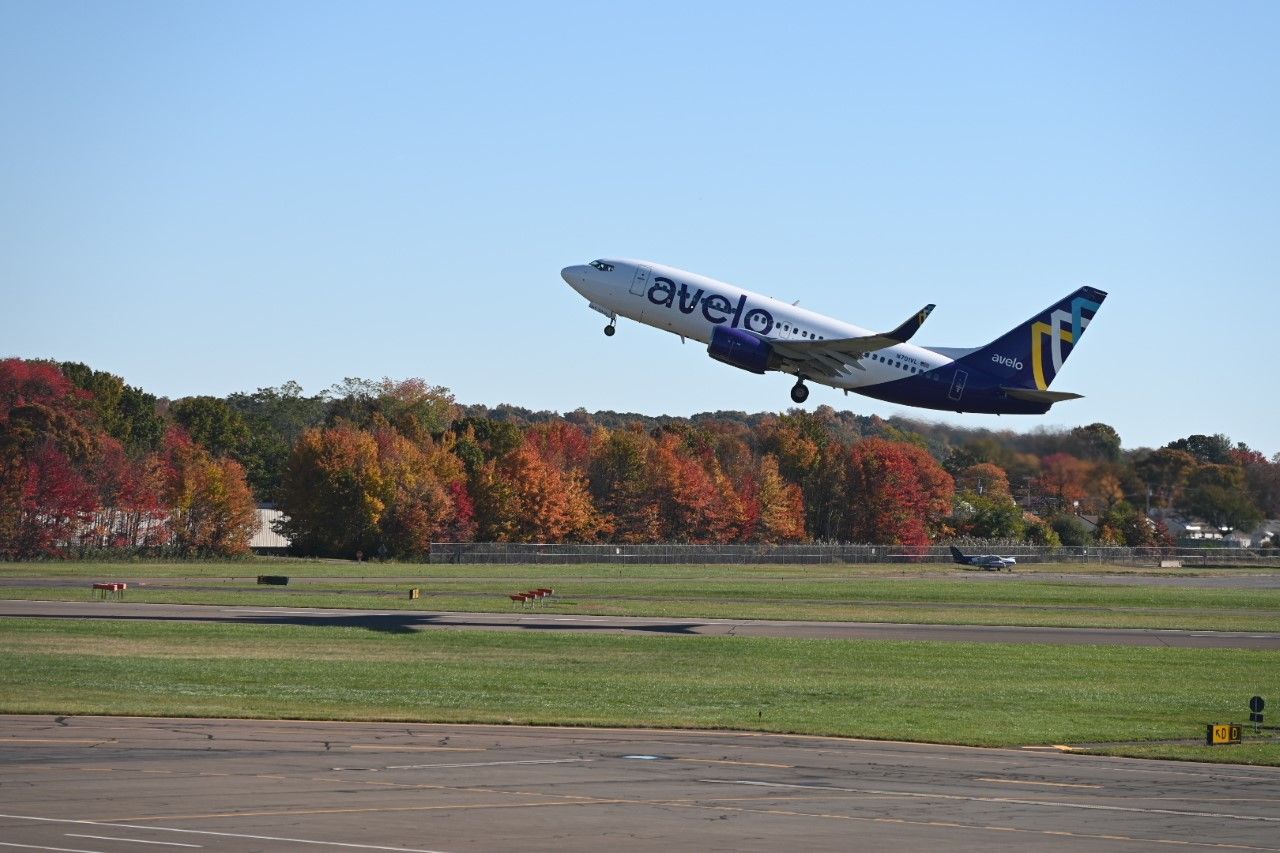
(942, 692)
(875, 593)
(1131, 698)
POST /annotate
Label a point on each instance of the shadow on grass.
(389, 623)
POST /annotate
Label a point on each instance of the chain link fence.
(559, 553)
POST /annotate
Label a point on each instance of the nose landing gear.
(799, 393)
(610, 329)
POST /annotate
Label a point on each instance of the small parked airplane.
(1010, 375)
(986, 561)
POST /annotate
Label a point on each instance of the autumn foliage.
(68, 486)
(385, 468)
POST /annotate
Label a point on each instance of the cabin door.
(640, 282)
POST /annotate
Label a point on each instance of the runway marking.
(1049, 803)
(1029, 782)
(418, 748)
(279, 612)
(111, 825)
(742, 763)
(132, 840)
(979, 827)
(53, 740)
(575, 801)
(492, 763)
(38, 847)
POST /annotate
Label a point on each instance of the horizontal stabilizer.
(1037, 396)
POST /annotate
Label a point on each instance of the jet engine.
(741, 349)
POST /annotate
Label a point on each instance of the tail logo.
(1007, 361)
(1062, 328)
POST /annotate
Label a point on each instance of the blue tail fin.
(1030, 355)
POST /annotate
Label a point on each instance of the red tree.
(897, 493)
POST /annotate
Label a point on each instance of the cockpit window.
(602, 266)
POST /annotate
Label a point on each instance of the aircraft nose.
(574, 276)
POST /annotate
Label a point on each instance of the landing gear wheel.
(799, 393)
(609, 330)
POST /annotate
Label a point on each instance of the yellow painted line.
(741, 763)
(417, 748)
(1028, 782)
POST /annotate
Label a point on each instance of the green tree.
(1207, 449)
(212, 424)
(1070, 530)
(1096, 442)
(275, 419)
(127, 414)
(1165, 472)
(1124, 524)
(990, 516)
(1217, 494)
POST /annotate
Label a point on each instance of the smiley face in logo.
(759, 321)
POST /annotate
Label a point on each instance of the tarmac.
(105, 784)
(398, 621)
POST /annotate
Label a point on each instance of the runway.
(102, 784)
(411, 620)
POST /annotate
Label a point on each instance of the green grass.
(300, 567)
(994, 695)
(831, 593)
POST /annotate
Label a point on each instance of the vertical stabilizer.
(1030, 355)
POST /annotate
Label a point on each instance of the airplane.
(986, 561)
(1009, 376)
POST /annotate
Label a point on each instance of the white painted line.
(493, 763)
(110, 825)
(131, 840)
(38, 847)
(1049, 803)
(1029, 782)
(276, 611)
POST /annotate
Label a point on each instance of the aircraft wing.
(835, 357)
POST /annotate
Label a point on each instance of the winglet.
(903, 333)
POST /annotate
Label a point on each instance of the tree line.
(387, 467)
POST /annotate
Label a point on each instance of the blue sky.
(216, 197)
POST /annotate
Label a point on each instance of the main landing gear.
(611, 328)
(799, 393)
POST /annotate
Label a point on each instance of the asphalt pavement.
(532, 620)
(104, 784)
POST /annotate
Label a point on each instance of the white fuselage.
(692, 306)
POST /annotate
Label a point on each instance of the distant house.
(1182, 528)
(1263, 535)
(266, 540)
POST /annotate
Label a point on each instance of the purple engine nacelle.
(741, 349)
